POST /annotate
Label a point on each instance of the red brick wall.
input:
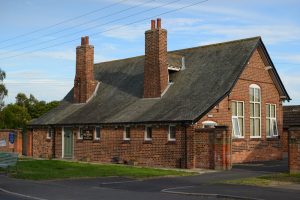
(156, 75)
(17, 146)
(158, 152)
(209, 148)
(284, 140)
(42, 146)
(204, 148)
(250, 149)
(200, 148)
(294, 150)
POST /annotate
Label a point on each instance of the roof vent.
(176, 62)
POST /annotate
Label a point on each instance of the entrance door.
(68, 143)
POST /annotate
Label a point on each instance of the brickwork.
(42, 146)
(251, 149)
(16, 146)
(193, 148)
(84, 83)
(156, 75)
(213, 148)
(204, 148)
(294, 149)
(284, 140)
(158, 152)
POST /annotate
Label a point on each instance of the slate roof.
(209, 75)
(291, 116)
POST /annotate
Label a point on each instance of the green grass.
(268, 180)
(55, 169)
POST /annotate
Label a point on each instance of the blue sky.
(48, 73)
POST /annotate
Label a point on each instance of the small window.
(271, 122)
(172, 133)
(237, 111)
(127, 133)
(209, 124)
(50, 133)
(97, 133)
(80, 133)
(148, 133)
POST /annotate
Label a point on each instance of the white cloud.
(291, 58)
(65, 55)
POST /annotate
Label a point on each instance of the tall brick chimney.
(84, 83)
(156, 75)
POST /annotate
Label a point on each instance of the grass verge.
(56, 169)
(268, 180)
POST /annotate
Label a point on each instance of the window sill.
(96, 140)
(48, 139)
(147, 142)
(238, 138)
(79, 140)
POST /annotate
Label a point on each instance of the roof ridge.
(190, 48)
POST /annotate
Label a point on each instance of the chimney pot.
(158, 23)
(82, 41)
(86, 40)
(152, 24)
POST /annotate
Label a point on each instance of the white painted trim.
(244, 130)
(124, 133)
(164, 92)
(49, 130)
(95, 133)
(272, 118)
(78, 133)
(169, 133)
(255, 86)
(145, 133)
(94, 93)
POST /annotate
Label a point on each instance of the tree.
(3, 90)
(19, 114)
(34, 107)
(14, 116)
(21, 100)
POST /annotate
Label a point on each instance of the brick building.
(291, 118)
(207, 106)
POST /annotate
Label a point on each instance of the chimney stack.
(156, 75)
(84, 83)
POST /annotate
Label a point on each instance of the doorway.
(68, 143)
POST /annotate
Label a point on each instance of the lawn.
(268, 180)
(56, 169)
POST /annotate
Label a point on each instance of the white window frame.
(124, 133)
(236, 117)
(272, 119)
(79, 136)
(212, 124)
(95, 133)
(169, 133)
(146, 135)
(49, 133)
(254, 86)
